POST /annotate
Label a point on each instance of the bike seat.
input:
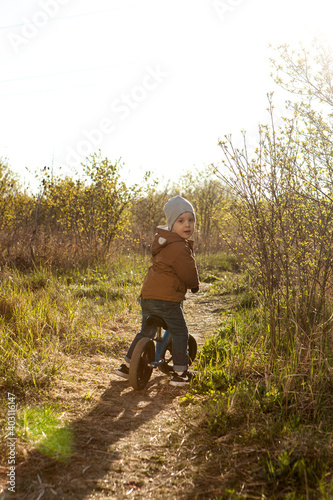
(154, 320)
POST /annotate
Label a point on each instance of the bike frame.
(161, 344)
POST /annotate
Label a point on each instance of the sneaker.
(180, 379)
(123, 371)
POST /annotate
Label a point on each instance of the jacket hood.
(164, 237)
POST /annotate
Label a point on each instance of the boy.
(172, 273)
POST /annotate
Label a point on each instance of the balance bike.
(145, 357)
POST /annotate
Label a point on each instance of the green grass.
(266, 422)
(44, 428)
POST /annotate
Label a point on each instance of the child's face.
(184, 225)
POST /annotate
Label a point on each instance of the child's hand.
(195, 290)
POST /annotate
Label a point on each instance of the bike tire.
(192, 348)
(140, 371)
(167, 356)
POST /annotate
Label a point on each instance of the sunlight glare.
(317, 20)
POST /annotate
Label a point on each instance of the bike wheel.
(192, 348)
(192, 352)
(166, 367)
(140, 371)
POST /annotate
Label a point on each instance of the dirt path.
(126, 444)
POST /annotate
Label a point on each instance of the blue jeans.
(172, 313)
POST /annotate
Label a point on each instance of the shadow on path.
(119, 412)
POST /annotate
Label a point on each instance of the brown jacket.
(173, 270)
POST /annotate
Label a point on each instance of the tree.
(147, 212)
(95, 208)
(80, 218)
(16, 208)
(308, 76)
(285, 211)
(9, 188)
(211, 200)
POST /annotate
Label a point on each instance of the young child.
(172, 273)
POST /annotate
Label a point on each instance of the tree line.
(75, 220)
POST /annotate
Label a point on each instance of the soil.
(127, 444)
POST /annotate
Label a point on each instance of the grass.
(43, 428)
(44, 314)
(267, 425)
(211, 265)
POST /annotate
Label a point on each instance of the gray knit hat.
(175, 207)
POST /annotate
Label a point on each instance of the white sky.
(155, 82)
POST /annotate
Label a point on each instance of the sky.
(154, 82)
